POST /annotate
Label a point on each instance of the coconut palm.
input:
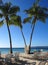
(35, 13)
(7, 12)
(18, 22)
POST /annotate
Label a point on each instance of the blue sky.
(40, 36)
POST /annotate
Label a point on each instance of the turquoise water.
(6, 50)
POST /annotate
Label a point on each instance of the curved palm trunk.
(23, 37)
(34, 20)
(29, 47)
(9, 37)
(24, 42)
(32, 34)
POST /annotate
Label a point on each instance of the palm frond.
(31, 11)
(16, 20)
(1, 15)
(45, 9)
(27, 20)
(45, 15)
(13, 14)
(14, 9)
(1, 23)
(42, 19)
(5, 7)
(13, 17)
(1, 6)
(26, 11)
(36, 3)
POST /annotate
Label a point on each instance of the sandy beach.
(24, 60)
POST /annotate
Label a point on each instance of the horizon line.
(23, 47)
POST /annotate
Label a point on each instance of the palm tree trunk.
(23, 37)
(34, 20)
(32, 34)
(9, 38)
(24, 42)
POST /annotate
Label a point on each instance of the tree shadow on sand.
(18, 63)
(42, 63)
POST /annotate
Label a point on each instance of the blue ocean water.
(7, 50)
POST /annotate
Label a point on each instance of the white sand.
(25, 59)
(3, 55)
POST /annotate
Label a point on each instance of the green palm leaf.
(5, 7)
(45, 9)
(1, 15)
(1, 23)
(42, 19)
(27, 19)
(10, 22)
(15, 20)
(8, 9)
(14, 9)
(18, 21)
(13, 17)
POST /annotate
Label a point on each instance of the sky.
(40, 36)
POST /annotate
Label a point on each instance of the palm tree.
(18, 22)
(35, 13)
(7, 12)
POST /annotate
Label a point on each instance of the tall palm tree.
(7, 12)
(35, 13)
(18, 22)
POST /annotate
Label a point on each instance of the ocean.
(7, 50)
